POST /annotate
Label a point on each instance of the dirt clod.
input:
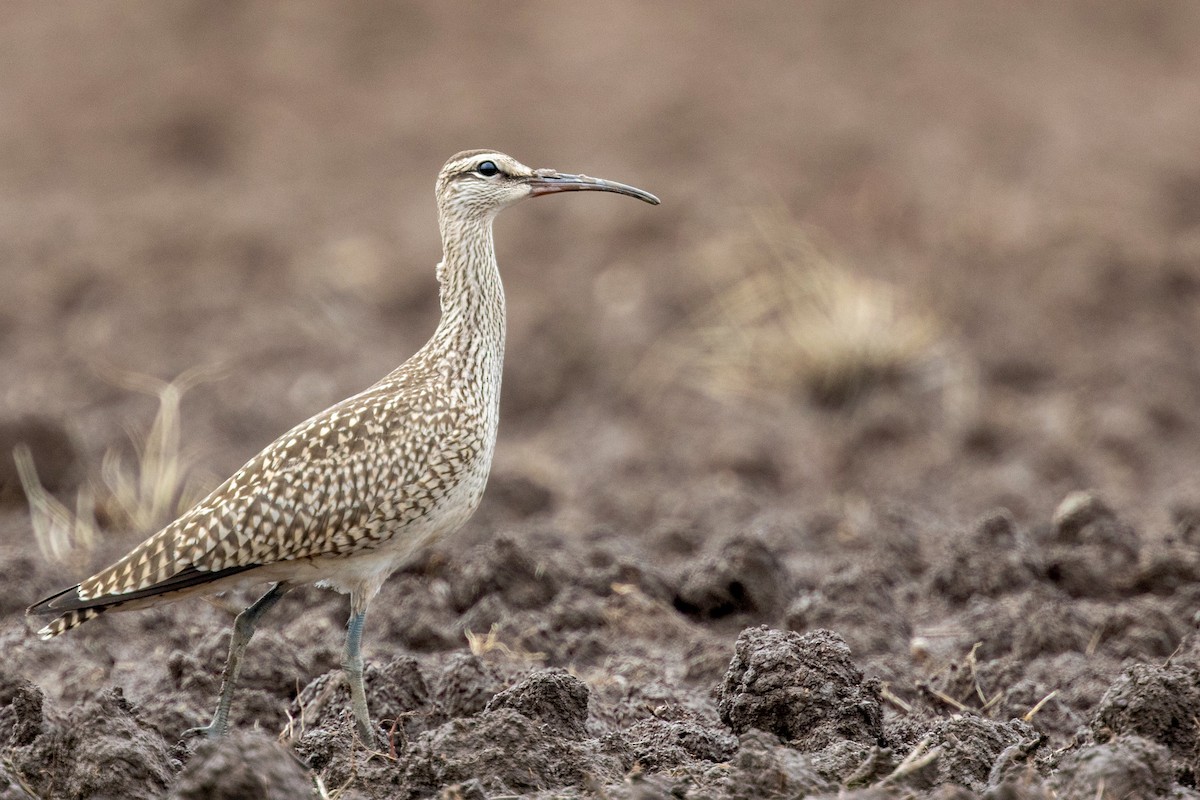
(21, 714)
(466, 685)
(859, 603)
(1156, 703)
(802, 687)
(744, 577)
(763, 768)
(551, 696)
(993, 559)
(977, 753)
(1090, 551)
(659, 745)
(245, 764)
(1128, 766)
(516, 753)
(103, 750)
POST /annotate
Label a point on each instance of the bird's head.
(478, 183)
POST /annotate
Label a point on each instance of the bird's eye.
(487, 169)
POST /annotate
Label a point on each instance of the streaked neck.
(472, 295)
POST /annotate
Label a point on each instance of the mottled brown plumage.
(347, 497)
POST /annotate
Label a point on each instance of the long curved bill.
(546, 181)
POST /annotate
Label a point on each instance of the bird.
(349, 496)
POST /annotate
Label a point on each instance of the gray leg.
(353, 665)
(243, 629)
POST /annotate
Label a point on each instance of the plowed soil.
(978, 575)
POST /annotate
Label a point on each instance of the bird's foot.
(373, 737)
(209, 731)
(366, 732)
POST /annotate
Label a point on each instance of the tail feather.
(77, 611)
(74, 610)
(66, 600)
(72, 619)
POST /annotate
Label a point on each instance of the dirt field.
(864, 466)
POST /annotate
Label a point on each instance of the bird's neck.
(472, 295)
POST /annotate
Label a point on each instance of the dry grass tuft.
(484, 644)
(140, 496)
(789, 317)
(157, 487)
(62, 536)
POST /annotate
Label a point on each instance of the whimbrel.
(346, 498)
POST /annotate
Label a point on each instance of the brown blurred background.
(249, 186)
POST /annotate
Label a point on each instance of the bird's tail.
(74, 610)
(78, 611)
(71, 619)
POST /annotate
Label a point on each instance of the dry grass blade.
(61, 536)
(1031, 713)
(887, 694)
(917, 759)
(948, 700)
(141, 496)
(790, 317)
(310, 711)
(153, 491)
(20, 779)
(483, 644)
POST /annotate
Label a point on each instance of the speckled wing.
(344, 481)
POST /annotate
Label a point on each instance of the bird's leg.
(353, 665)
(243, 630)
